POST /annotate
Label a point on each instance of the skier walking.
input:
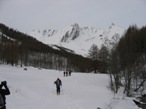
(58, 83)
(3, 91)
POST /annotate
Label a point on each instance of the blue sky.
(26, 15)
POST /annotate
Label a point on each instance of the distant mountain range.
(17, 48)
(79, 39)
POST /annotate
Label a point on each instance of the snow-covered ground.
(35, 89)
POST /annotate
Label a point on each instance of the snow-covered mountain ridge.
(79, 39)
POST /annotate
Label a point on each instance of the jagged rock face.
(79, 39)
(65, 37)
(73, 34)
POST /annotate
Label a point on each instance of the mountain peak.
(79, 39)
(75, 25)
(71, 34)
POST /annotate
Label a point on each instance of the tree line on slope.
(17, 48)
(99, 58)
(127, 64)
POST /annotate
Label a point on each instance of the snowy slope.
(79, 39)
(34, 89)
(3, 35)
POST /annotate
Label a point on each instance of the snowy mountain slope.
(3, 35)
(35, 89)
(79, 39)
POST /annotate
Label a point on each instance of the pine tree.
(93, 54)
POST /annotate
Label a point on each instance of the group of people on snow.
(58, 82)
(4, 90)
(67, 73)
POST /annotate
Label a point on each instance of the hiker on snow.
(64, 73)
(58, 83)
(70, 72)
(3, 91)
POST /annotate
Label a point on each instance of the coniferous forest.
(17, 48)
(127, 64)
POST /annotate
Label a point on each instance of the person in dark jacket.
(64, 73)
(3, 92)
(69, 72)
(58, 83)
